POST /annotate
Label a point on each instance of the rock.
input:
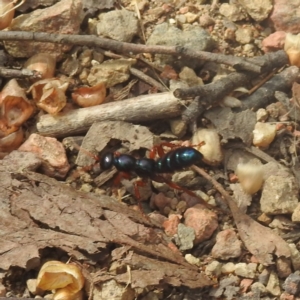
(263, 277)
(287, 296)
(264, 219)
(110, 72)
(205, 20)
(183, 178)
(233, 12)
(189, 76)
(283, 266)
(296, 214)
(228, 268)
(171, 224)
(160, 201)
(192, 259)
(286, 15)
(185, 237)
(227, 245)
(295, 256)
(273, 286)
(245, 270)
(213, 268)
(259, 287)
(51, 152)
(192, 37)
(257, 9)
(228, 286)
(63, 17)
(113, 291)
(245, 284)
(274, 41)
(190, 17)
(261, 115)
(203, 221)
(121, 25)
(292, 283)
(279, 195)
(178, 127)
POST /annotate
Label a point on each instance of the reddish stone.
(203, 221)
(51, 152)
(245, 284)
(171, 224)
(285, 15)
(274, 41)
(227, 245)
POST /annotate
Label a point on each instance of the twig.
(266, 93)
(12, 73)
(209, 94)
(273, 60)
(139, 74)
(120, 47)
(212, 93)
(140, 109)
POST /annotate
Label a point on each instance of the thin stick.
(140, 109)
(121, 47)
(139, 74)
(24, 73)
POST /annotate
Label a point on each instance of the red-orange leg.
(159, 150)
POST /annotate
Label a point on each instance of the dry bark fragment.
(39, 212)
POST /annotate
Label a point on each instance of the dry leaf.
(89, 96)
(66, 279)
(233, 125)
(44, 63)
(16, 109)
(49, 94)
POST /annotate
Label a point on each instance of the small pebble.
(192, 259)
(257, 286)
(273, 285)
(228, 268)
(292, 284)
(245, 270)
(214, 268)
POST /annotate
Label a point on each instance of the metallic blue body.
(174, 160)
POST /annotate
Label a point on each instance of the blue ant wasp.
(174, 160)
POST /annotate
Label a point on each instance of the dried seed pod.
(211, 150)
(89, 96)
(250, 176)
(292, 48)
(44, 63)
(7, 12)
(263, 134)
(49, 94)
(66, 279)
(16, 109)
(12, 141)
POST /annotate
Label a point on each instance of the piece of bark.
(140, 109)
(39, 212)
